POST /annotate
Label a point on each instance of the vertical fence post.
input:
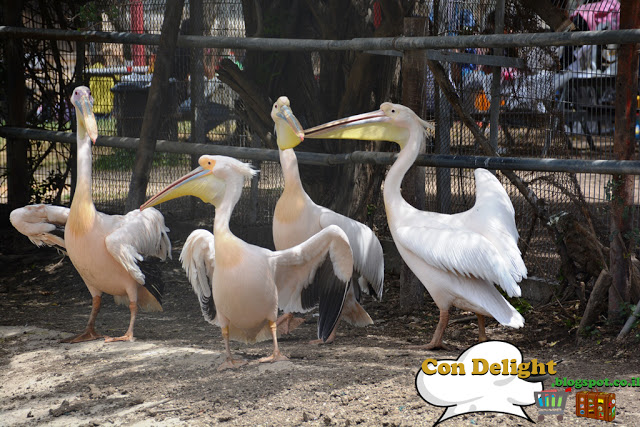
(624, 148)
(17, 161)
(414, 80)
(494, 113)
(444, 120)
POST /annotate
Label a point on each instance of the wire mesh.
(559, 103)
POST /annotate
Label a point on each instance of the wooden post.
(17, 160)
(196, 14)
(414, 69)
(443, 117)
(494, 113)
(156, 104)
(624, 148)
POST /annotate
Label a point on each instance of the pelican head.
(83, 101)
(392, 122)
(208, 181)
(288, 129)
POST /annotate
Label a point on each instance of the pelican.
(297, 217)
(458, 258)
(239, 285)
(107, 250)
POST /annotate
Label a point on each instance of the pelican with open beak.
(459, 257)
(240, 286)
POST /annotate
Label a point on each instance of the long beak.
(373, 126)
(192, 184)
(85, 107)
(291, 135)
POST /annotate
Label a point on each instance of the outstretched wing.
(136, 235)
(493, 216)
(40, 222)
(198, 257)
(459, 251)
(368, 258)
(317, 270)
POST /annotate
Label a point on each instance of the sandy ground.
(168, 375)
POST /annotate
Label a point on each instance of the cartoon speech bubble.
(483, 378)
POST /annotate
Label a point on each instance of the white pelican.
(107, 250)
(297, 218)
(239, 285)
(459, 257)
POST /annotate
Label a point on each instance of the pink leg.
(287, 323)
(482, 336)
(128, 336)
(436, 341)
(230, 363)
(89, 333)
(276, 356)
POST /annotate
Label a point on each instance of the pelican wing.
(136, 235)
(198, 257)
(305, 275)
(493, 216)
(39, 222)
(368, 258)
(459, 251)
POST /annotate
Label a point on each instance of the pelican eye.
(393, 111)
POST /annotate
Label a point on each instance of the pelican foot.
(275, 357)
(89, 335)
(330, 339)
(122, 338)
(287, 323)
(232, 364)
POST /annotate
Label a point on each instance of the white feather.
(38, 221)
(136, 235)
(198, 261)
(295, 267)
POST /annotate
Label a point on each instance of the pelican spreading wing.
(240, 286)
(109, 251)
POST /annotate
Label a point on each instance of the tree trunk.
(413, 189)
(18, 193)
(624, 149)
(321, 86)
(156, 104)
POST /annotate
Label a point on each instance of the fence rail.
(629, 167)
(573, 38)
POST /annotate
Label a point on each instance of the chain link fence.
(554, 102)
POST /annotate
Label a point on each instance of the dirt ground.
(168, 375)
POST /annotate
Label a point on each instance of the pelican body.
(107, 250)
(297, 218)
(240, 286)
(458, 258)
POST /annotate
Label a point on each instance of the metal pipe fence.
(626, 167)
(576, 38)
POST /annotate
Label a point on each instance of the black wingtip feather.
(152, 278)
(208, 308)
(332, 294)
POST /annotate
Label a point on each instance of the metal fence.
(556, 102)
